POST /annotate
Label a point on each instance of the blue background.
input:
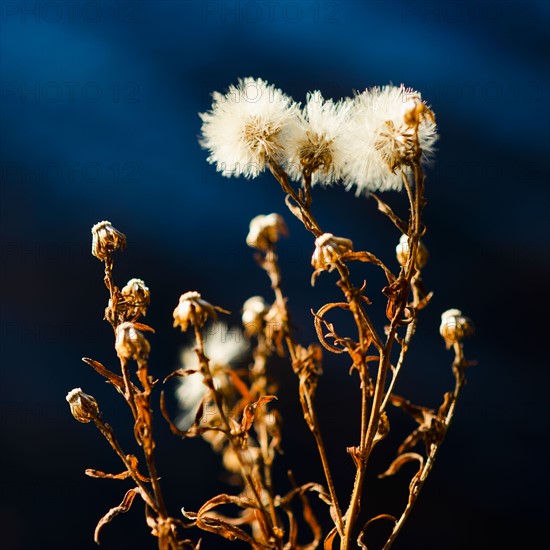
(99, 104)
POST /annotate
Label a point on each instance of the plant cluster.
(378, 140)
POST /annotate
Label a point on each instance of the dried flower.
(254, 312)
(83, 406)
(381, 142)
(402, 252)
(328, 249)
(265, 231)
(246, 127)
(189, 302)
(136, 297)
(224, 348)
(314, 145)
(130, 343)
(105, 240)
(455, 326)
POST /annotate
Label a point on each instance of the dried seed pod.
(130, 343)
(84, 407)
(189, 302)
(402, 253)
(105, 240)
(328, 249)
(265, 231)
(136, 298)
(455, 326)
(254, 312)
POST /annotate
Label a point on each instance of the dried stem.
(109, 435)
(271, 265)
(247, 477)
(259, 384)
(459, 365)
(384, 363)
(157, 504)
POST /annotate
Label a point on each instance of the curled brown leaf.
(123, 475)
(396, 465)
(122, 508)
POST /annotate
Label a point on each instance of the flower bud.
(328, 250)
(130, 343)
(402, 253)
(183, 314)
(254, 312)
(136, 298)
(455, 326)
(265, 231)
(105, 240)
(83, 406)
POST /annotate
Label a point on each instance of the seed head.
(130, 343)
(328, 249)
(455, 326)
(192, 302)
(84, 407)
(105, 240)
(265, 231)
(136, 297)
(402, 253)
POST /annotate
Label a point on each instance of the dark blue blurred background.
(99, 104)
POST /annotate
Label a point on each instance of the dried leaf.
(143, 327)
(193, 431)
(123, 475)
(181, 372)
(329, 539)
(396, 293)
(383, 428)
(418, 412)
(410, 441)
(227, 531)
(115, 379)
(173, 428)
(360, 538)
(241, 387)
(312, 487)
(425, 300)
(147, 382)
(142, 426)
(292, 530)
(311, 520)
(224, 498)
(396, 465)
(368, 257)
(385, 209)
(249, 412)
(293, 208)
(319, 321)
(122, 508)
(219, 526)
(307, 514)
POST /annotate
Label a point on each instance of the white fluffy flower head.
(315, 143)
(246, 127)
(381, 143)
